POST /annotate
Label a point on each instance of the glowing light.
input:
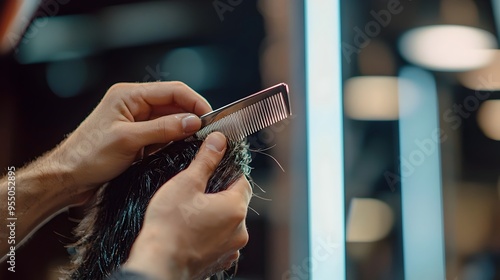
(145, 22)
(75, 36)
(420, 177)
(488, 119)
(67, 78)
(196, 67)
(448, 47)
(60, 38)
(372, 98)
(325, 139)
(486, 78)
(369, 220)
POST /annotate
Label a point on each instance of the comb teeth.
(249, 119)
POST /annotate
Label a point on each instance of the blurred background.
(419, 143)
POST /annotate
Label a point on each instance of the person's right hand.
(188, 234)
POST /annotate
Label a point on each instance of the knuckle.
(206, 163)
(248, 190)
(240, 213)
(231, 259)
(234, 256)
(116, 88)
(121, 136)
(241, 239)
(193, 178)
(183, 178)
(197, 181)
(178, 84)
(161, 129)
(121, 139)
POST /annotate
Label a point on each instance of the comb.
(248, 115)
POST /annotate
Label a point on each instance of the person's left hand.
(129, 118)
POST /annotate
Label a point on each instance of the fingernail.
(216, 142)
(190, 123)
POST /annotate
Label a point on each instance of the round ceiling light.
(448, 47)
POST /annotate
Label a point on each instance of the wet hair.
(108, 230)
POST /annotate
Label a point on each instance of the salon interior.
(387, 169)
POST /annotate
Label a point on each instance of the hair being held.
(109, 229)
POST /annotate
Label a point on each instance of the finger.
(241, 188)
(229, 260)
(160, 111)
(164, 129)
(165, 93)
(241, 236)
(235, 199)
(207, 159)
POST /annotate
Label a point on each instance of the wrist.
(56, 181)
(158, 256)
(67, 172)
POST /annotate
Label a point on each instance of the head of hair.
(108, 230)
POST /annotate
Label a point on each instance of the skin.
(192, 245)
(132, 119)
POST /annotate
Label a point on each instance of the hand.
(188, 234)
(129, 117)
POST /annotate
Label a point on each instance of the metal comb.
(248, 115)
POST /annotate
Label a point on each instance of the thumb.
(207, 160)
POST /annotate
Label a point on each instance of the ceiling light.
(448, 47)
(371, 98)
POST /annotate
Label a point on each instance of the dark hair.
(107, 232)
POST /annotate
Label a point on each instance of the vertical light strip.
(325, 140)
(420, 139)
(496, 15)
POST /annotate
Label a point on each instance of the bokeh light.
(488, 119)
(448, 47)
(67, 78)
(371, 98)
(369, 220)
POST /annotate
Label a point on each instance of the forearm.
(40, 190)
